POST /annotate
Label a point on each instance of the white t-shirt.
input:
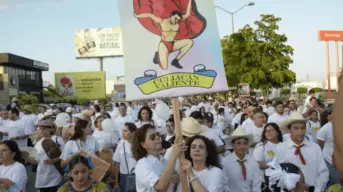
(105, 139)
(120, 122)
(119, 156)
(265, 152)
(312, 128)
(247, 123)
(210, 178)
(47, 175)
(73, 146)
(256, 131)
(148, 172)
(16, 173)
(325, 134)
(30, 121)
(17, 129)
(212, 135)
(219, 121)
(4, 127)
(139, 123)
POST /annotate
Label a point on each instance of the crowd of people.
(226, 145)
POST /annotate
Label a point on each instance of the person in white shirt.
(12, 171)
(269, 109)
(311, 93)
(47, 176)
(313, 125)
(205, 104)
(17, 131)
(256, 129)
(202, 166)
(107, 140)
(219, 119)
(125, 163)
(145, 115)
(121, 119)
(279, 115)
(312, 106)
(299, 151)
(4, 121)
(31, 122)
(153, 172)
(79, 141)
(250, 113)
(265, 150)
(241, 172)
(42, 109)
(326, 140)
(115, 111)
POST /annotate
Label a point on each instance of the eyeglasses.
(270, 131)
(154, 135)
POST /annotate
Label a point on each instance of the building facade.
(27, 71)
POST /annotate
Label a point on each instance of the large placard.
(172, 48)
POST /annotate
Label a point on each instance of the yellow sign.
(270, 153)
(315, 128)
(150, 83)
(83, 85)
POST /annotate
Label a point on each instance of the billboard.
(101, 42)
(83, 85)
(326, 35)
(171, 49)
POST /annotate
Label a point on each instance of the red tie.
(244, 169)
(298, 152)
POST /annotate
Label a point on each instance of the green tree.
(301, 90)
(258, 56)
(317, 89)
(285, 91)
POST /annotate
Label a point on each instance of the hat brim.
(284, 124)
(202, 132)
(229, 139)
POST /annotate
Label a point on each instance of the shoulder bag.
(130, 178)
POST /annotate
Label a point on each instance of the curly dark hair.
(139, 136)
(212, 155)
(139, 117)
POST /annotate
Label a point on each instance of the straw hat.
(191, 127)
(239, 133)
(292, 118)
(27, 108)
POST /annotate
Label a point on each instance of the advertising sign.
(326, 35)
(243, 90)
(95, 43)
(86, 85)
(172, 48)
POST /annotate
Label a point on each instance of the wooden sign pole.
(178, 133)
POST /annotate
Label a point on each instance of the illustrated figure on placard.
(177, 22)
(66, 86)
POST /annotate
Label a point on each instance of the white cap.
(96, 102)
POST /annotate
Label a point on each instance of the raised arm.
(188, 11)
(149, 15)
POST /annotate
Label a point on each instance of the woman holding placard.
(153, 172)
(79, 141)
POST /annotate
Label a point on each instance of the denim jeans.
(334, 176)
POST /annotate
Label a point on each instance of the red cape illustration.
(190, 28)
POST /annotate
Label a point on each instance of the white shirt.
(325, 134)
(120, 122)
(15, 173)
(206, 105)
(287, 136)
(236, 119)
(315, 171)
(17, 129)
(312, 128)
(74, 146)
(256, 131)
(219, 121)
(247, 123)
(105, 139)
(269, 110)
(276, 118)
(4, 127)
(148, 172)
(119, 156)
(30, 121)
(47, 174)
(233, 179)
(210, 178)
(265, 152)
(139, 123)
(212, 135)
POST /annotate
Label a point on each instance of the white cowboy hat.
(292, 118)
(240, 133)
(191, 127)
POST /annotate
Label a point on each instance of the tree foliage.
(285, 91)
(258, 56)
(317, 89)
(301, 90)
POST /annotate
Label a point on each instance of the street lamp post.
(232, 13)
